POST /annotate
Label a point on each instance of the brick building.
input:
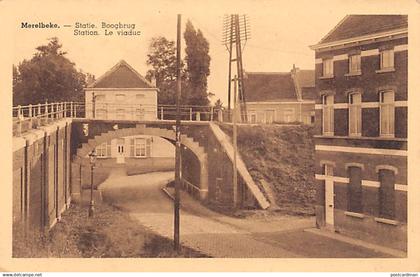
(280, 96)
(361, 128)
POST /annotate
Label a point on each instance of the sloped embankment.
(284, 157)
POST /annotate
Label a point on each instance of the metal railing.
(190, 188)
(34, 116)
(108, 110)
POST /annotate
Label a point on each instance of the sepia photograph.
(261, 130)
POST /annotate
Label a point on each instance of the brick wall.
(367, 224)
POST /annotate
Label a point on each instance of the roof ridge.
(268, 73)
(388, 22)
(114, 68)
(335, 28)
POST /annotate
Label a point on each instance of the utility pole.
(236, 32)
(235, 145)
(178, 138)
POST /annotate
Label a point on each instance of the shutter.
(108, 148)
(148, 147)
(132, 147)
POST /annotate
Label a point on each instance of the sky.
(281, 32)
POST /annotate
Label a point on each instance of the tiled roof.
(122, 75)
(279, 86)
(306, 78)
(263, 86)
(359, 25)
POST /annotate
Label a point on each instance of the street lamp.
(92, 156)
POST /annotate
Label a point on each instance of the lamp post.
(92, 156)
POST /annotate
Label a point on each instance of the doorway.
(329, 195)
(120, 151)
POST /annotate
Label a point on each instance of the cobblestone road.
(219, 235)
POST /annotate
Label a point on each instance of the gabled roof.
(279, 86)
(121, 75)
(269, 86)
(353, 26)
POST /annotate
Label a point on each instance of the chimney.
(294, 70)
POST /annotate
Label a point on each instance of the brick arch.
(186, 141)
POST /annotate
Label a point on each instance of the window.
(120, 113)
(355, 114)
(355, 64)
(100, 98)
(140, 147)
(387, 59)
(327, 67)
(328, 114)
(355, 190)
(120, 97)
(386, 107)
(269, 116)
(260, 116)
(101, 113)
(252, 118)
(288, 115)
(104, 150)
(140, 114)
(386, 194)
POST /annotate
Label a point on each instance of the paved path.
(214, 234)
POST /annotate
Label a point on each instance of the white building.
(123, 94)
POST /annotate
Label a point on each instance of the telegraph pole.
(236, 32)
(235, 145)
(178, 138)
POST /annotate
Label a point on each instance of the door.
(329, 195)
(120, 151)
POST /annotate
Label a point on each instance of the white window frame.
(120, 97)
(266, 115)
(328, 67)
(328, 115)
(252, 114)
(260, 116)
(355, 114)
(386, 114)
(387, 59)
(356, 60)
(290, 113)
(140, 145)
(101, 150)
(120, 113)
(100, 97)
(140, 96)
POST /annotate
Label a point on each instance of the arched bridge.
(49, 153)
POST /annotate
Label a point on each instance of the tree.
(198, 65)
(48, 76)
(162, 59)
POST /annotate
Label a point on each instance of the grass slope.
(284, 157)
(111, 233)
